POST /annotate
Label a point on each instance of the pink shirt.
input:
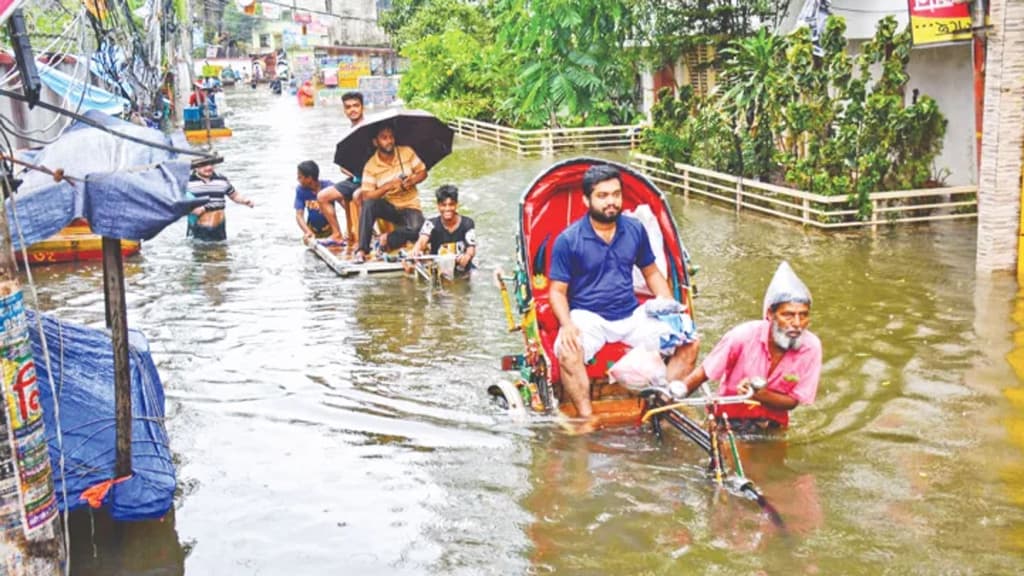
(743, 353)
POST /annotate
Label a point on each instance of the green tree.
(572, 60)
(435, 17)
(448, 75)
(455, 68)
(398, 16)
(238, 27)
(751, 80)
(670, 28)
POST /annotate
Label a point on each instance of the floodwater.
(341, 426)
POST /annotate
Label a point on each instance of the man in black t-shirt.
(448, 233)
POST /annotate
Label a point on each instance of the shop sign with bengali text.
(350, 68)
(939, 21)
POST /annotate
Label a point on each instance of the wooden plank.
(345, 267)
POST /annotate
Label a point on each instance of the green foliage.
(573, 65)
(667, 135)
(823, 123)
(530, 64)
(438, 16)
(673, 27)
(45, 20)
(752, 83)
(238, 27)
(394, 19)
(452, 75)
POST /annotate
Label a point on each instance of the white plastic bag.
(640, 368)
(646, 217)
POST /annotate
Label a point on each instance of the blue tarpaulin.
(124, 189)
(80, 95)
(82, 360)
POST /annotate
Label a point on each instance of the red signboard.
(939, 21)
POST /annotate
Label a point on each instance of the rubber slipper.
(329, 242)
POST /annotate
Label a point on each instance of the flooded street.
(341, 426)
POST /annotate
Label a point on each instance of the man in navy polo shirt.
(591, 290)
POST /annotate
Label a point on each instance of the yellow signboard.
(939, 21)
(350, 69)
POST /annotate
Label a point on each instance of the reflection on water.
(326, 425)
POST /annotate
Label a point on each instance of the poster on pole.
(939, 21)
(6, 7)
(25, 458)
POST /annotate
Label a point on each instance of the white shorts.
(636, 330)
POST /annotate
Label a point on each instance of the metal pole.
(30, 542)
(117, 320)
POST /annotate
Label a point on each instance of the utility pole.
(31, 543)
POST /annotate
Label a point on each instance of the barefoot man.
(592, 291)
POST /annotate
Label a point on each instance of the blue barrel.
(193, 114)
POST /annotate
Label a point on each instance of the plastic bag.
(646, 217)
(679, 326)
(446, 266)
(640, 368)
(785, 287)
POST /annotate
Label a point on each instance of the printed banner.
(939, 21)
(24, 458)
(350, 68)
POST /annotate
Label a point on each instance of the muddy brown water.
(341, 426)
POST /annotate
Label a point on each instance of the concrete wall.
(946, 74)
(354, 23)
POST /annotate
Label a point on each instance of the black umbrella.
(428, 136)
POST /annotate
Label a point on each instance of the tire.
(506, 396)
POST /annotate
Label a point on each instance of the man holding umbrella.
(393, 152)
(388, 192)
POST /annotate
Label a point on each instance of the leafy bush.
(821, 123)
(449, 74)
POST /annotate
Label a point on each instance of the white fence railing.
(903, 206)
(549, 140)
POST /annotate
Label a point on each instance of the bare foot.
(578, 426)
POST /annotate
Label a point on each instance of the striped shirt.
(214, 189)
(377, 173)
